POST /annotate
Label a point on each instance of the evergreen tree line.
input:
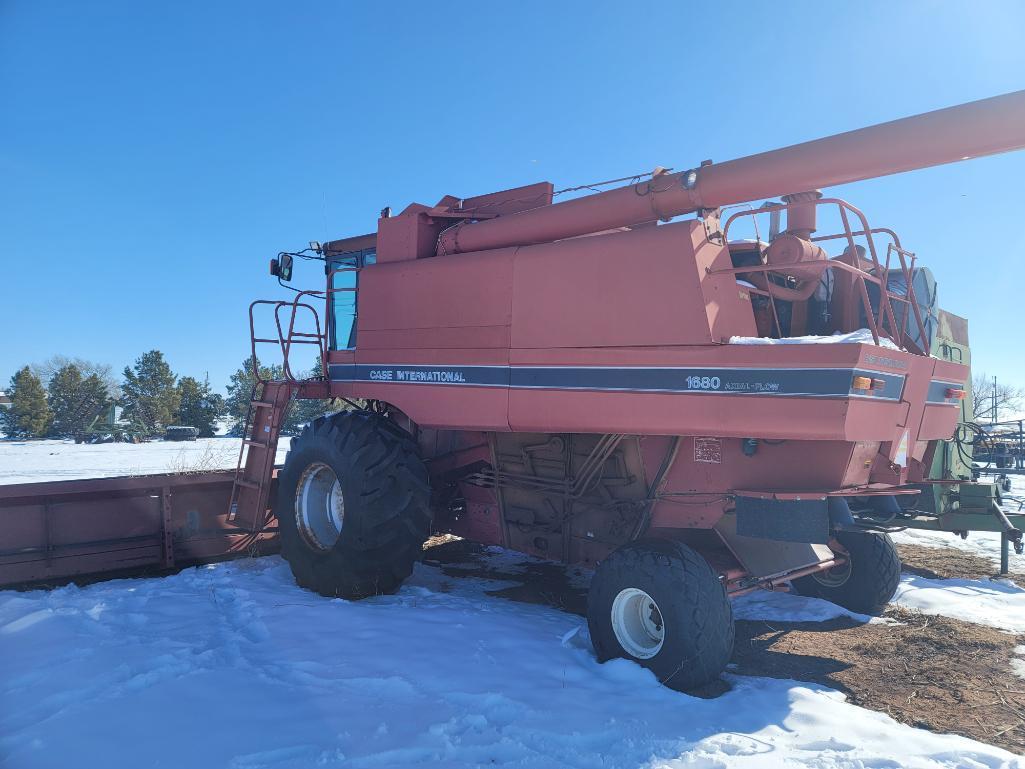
(63, 397)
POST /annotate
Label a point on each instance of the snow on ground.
(790, 607)
(232, 665)
(985, 544)
(27, 461)
(999, 603)
(1018, 664)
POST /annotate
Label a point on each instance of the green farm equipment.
(109, 427)
(957, 501)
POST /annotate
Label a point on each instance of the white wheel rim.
(834, 577)
(319, 506)
(638, 623)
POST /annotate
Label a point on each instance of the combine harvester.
(594, 381)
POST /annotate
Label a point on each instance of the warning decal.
(708, 450)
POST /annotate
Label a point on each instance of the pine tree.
(149, 392)
(300, 412)
(240, 390)
(75, 400)
(198, 405)
(29, 414)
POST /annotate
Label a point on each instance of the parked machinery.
(601, 382)
(109, 426)
(613, 380)
(956, 500)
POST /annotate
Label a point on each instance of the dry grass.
(213, 457)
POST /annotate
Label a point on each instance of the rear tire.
(658, 603)
(353, 506)
(866, 583)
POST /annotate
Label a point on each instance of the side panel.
(776, 392)
(455, 302)
(641, 288)
(708, 467)
(453, 405)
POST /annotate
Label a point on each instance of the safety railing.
(287, 335)
(282, 341)
(881, 320)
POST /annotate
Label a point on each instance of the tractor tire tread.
(387, 507)
(691, 597)
(873, 581)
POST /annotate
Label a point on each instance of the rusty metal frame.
(58, 530)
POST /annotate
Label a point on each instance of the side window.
(343, 303)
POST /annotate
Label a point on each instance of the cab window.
(343, 302)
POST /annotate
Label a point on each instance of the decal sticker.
(804, 382)
(708, 450)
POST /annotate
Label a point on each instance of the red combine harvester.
(590, 382)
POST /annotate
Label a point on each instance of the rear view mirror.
(282, 267)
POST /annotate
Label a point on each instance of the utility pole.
(993, 417)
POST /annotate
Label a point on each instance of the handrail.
(254, 340)
(285, 339)
(877, 320)
(317, 338)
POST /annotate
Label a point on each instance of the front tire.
(659, 603)
(866, 583)
(353, 506)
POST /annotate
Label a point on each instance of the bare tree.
(46, 369)
(1009, 397)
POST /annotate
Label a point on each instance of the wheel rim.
(319, 506)
(637, 623)
(836, 576)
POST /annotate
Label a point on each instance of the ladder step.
(262, 405)
(251, 442)
(246, 484)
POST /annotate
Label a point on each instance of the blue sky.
(154, 156)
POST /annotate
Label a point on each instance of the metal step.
(250, 498)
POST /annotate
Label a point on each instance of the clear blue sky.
(154, 156)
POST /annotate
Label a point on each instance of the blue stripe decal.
(807, 382)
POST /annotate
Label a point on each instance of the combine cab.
(602, 381)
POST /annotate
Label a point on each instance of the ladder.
(250, 493)
(268, 404)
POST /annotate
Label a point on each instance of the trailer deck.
(57, 530)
